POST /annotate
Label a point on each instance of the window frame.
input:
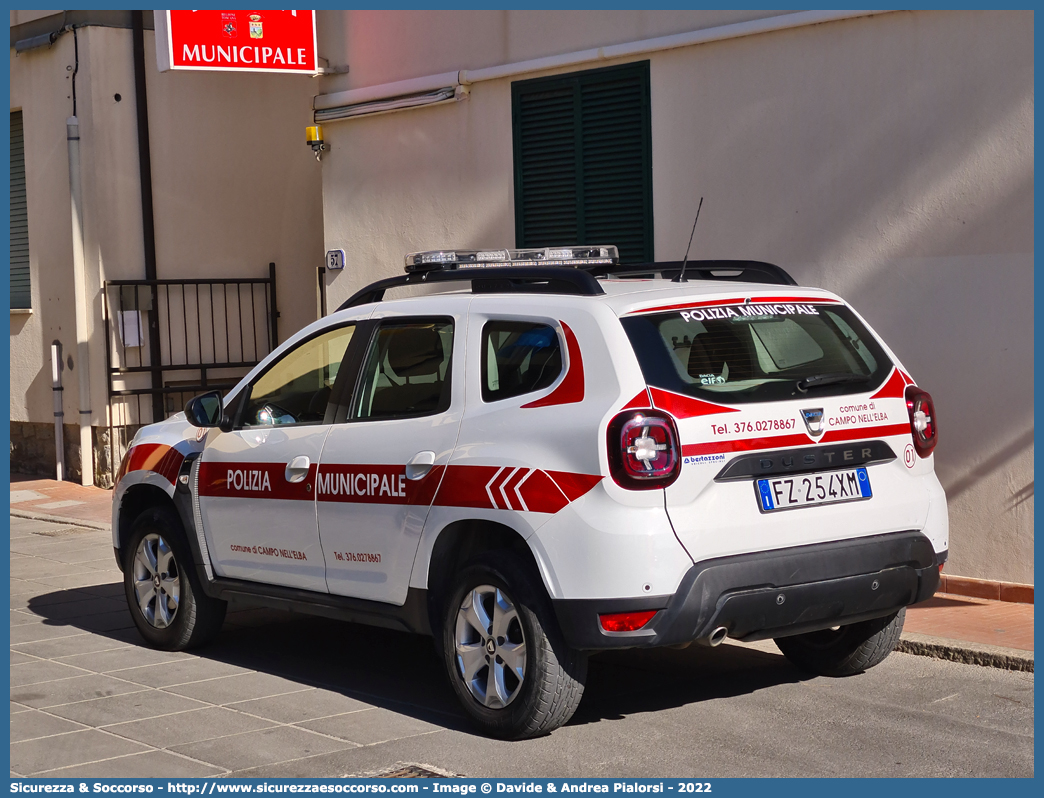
(242, 398)
(347, 413)
(484, 365)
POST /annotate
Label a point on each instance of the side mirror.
(205, 410)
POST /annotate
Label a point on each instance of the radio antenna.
(681, 275)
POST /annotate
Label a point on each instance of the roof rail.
(742, 271)
(534, 280)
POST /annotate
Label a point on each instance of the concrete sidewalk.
(960, 628)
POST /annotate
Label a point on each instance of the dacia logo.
(813, 421)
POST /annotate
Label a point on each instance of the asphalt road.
(281, 695)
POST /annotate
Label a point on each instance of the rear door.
(792, 421)
(383, 463)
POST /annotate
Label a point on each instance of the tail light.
(644, 450)
(922, 420)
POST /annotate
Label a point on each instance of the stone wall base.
(32, 451)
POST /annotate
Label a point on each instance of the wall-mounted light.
(314, 134)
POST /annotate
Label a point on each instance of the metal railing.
(168, 340)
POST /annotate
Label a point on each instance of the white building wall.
(235, 187)
(888, 158)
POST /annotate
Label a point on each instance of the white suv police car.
(546, 454)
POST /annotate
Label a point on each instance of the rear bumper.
(770, 594)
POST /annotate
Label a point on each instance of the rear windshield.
(757, 352)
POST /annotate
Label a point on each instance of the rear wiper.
(817, 380)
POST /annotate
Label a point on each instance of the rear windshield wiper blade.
(817, 380)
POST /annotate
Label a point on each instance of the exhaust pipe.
(715, 638)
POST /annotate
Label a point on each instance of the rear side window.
(518, 358)
(407, 371)
(757, 353)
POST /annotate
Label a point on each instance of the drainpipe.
(72, 125)
(59, 412)
(148, 224)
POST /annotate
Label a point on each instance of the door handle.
(297, 469)
(420, 465)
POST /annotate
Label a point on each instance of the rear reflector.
(625, 621)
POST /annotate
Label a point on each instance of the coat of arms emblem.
(228, 24)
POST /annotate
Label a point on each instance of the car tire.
(847, 650)
(163, 592)
(496, 606)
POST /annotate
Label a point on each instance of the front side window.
(296, 388)
(757, 353)
(518, 358)
(407, 371)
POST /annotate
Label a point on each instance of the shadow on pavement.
(401, 672)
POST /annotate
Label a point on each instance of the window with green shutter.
(20, 295)
(583, 160)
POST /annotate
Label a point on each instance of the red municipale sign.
(236, 41)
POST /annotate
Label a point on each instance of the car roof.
(622, 296)
(627, 296)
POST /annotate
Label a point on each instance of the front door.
(382, 466)
(257, 482)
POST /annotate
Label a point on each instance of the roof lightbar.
(448, 260)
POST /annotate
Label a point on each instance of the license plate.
(805, 490)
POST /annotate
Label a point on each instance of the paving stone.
(243, 686)
(189, 727)
(20, 618)
(83, 643)
(30, 673)
(97, 543)
(34, 723)
(101, 563)
(17, 658)
(77, 748)
(296, 707)
(38, 548)
(151, 764)
(97, 557)
(268, 746)
(67, 691)
(24, 593)
(123, 659)
(59, 505)
(38, 568)
(88, 605)
(19, 496)
(182, 671)
(110, 589)
(16, 707)
(31, 633)
(107, 621)
(120, 708)
(372, 726)
(81, 579)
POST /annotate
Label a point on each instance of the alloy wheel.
(157, 581)
(490, 646)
